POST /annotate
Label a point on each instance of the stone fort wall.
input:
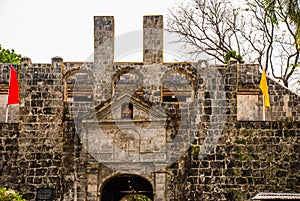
(234, 153)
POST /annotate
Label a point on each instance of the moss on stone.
(245, 157)
(288, 124)
(240, 141)
(235, 194)
(245, 133)
(195, 150)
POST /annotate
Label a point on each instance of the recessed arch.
(172, 71)
(177, 86)
(119, 186)
(79, 85)
(129, 80)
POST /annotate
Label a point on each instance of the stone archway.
(120, 186)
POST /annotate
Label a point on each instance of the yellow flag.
(264, 88)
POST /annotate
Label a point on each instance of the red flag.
(13, 93)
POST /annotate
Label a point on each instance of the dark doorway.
(119, 186)
(127, 111)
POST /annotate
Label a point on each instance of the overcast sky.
(42, 29)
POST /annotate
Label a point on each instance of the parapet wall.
(284, 102)
(233, 153)
(250, 157)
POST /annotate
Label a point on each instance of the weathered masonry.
(169, 131)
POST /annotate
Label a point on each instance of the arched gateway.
(123, 185)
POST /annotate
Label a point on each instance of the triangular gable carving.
(110, 109)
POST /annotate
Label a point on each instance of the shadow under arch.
(132, 83)
(117, 187)
(177, 86)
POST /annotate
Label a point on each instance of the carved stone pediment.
(124, 108)
(137, 138)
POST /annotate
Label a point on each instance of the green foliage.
(66, 116)
(234, 55)
(135, 197)
(290, 8)
(240, 141)
(9, 56)
(235, 194)
(293, 12)
(195, 150)
(270, 7)
(10, 195)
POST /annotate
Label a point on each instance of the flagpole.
(264, 109)
(13, 90)
(263, 85)
(6, 117)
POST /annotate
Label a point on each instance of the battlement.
(103, 72)
(180, 130)
(104, 39)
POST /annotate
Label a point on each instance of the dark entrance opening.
(127, 111)
(122, 185)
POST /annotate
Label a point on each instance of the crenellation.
(188, 130)
(153, 39)
(103, 40)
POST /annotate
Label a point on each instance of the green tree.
(212, 27)
(289, 8)
(278, 22)
(254, 31)
(9, 56)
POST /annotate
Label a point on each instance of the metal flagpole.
(264, 109)
(6, 117)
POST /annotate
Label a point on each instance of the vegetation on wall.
(10, 195)
(135, 197)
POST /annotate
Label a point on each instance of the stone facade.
(170, 131)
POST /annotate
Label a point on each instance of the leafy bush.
(10, 195)
(135, 197)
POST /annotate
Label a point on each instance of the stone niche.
(249, 106)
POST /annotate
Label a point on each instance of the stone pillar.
(160, 186)
(56, 63)
(103, 57)
(40, 139)
(25, 63)
(104, 40)
(92, 181)
(153, 39)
